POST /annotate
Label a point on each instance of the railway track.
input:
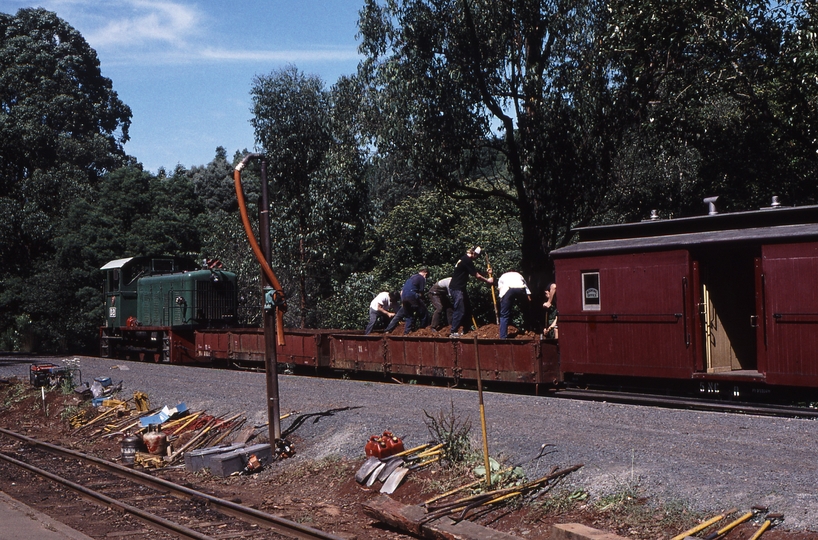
(165, 506)
(786, 411)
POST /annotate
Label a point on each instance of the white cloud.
(174, 32)
(317, 55)
(151, 23)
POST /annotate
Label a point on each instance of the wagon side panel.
(791, 313)
(626, 314)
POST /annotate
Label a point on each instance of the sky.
(185, 68)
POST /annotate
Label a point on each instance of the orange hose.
(265, 267)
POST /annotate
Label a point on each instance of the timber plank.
(409, 518)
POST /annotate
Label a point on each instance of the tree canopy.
(61, 127)
(573, 110)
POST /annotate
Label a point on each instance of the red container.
(383, 446)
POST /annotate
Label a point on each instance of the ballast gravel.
(707, 461)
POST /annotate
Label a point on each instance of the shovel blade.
(391, 465)
(373, 476)
(394, 480)
(369, 465)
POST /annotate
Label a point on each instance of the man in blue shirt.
(412, 306)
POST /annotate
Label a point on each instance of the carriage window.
(590, 291)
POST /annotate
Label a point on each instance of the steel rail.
(276, 523)
(97, 497)
(687, 403)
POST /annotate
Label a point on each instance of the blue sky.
(186, 67)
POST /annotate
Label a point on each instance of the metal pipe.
(265, 266)
(270, 326)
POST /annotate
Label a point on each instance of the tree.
(318, 195)
(511, 92)
(61, 127)
(214, 183)
(61, 130)
(714, 89)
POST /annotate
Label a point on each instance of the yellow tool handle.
(732, 525)
(702, 526)
(761, 530)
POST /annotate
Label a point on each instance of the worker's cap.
(478, 250)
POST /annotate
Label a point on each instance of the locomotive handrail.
(281, 300)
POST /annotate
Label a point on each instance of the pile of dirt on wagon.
(487, 331)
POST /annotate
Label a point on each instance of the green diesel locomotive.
(154, 305)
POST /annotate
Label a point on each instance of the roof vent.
(711, 202)
(654, 215)
(776, 203)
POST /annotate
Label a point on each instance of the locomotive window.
(114, 275)
(162, 266)
(590, 291)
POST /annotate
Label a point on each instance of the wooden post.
(482, 414)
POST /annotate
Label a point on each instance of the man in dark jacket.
(412, 306)
(457, 287)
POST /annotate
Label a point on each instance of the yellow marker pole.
(482, 415)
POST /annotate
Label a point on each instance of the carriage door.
(727, 303)
(718, 351)
(790, 313)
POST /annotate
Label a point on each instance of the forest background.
(499, 123)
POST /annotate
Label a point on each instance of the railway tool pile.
(155, 437)
(478, 504)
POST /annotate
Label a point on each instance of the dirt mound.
(487, 331)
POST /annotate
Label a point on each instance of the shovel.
(771, 520)
(369, 465)
(373, 477)
(394, 480)
(702, 526)
(391, 465)
(755, 510)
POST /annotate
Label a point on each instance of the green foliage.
(435, 230)
(318, 193)
(589, 112)
(348, 307)
(507, 92)
(705, 83)
(61, 128)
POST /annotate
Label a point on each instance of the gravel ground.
(709, 461)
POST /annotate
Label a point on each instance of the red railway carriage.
(728, 300)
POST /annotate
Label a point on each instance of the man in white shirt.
(511, 287)
(379, 309)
